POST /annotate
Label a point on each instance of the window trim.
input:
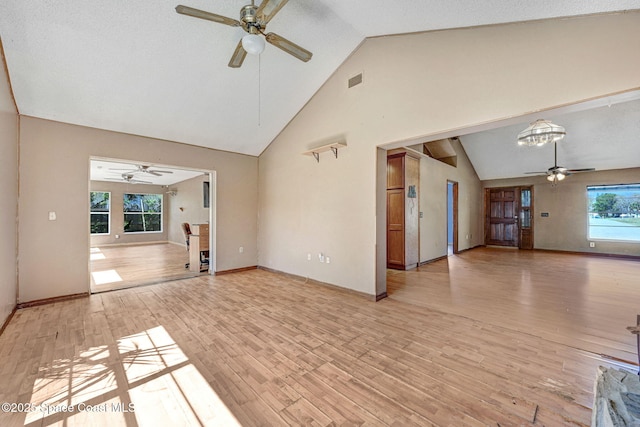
(603, 188)
(161, 213)
(101, 213)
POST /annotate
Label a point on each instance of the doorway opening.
(137, 213)
(452, 218)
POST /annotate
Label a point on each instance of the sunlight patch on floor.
(95, 256)
(106, 276)
(143, 379)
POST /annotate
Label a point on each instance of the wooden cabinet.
(403, 173)
(198, 245)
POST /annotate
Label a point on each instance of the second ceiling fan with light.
(558, 173)
(253, 20)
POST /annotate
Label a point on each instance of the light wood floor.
(584, 302)
(118, 267)
(447, 348)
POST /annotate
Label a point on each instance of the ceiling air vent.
(355, 80)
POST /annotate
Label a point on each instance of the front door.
(501, 216)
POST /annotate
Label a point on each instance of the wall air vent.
(355, 80)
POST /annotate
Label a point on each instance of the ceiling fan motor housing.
(249, 15)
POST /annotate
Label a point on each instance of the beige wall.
(433, 203)
(54, 176)
(566, 226)
(117, 190)
(187, 206)
(8, 196)
(418, 87)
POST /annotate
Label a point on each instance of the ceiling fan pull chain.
(259, 86)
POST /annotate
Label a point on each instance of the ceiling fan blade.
(154, 173)
(536, 173)
(123, 169)
(238, 56)
(268, 9)
(581, 170)
(291, 48)
(197, 13)
(161, 171)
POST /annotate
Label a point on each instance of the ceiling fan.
(143, 169)
(254, 20)
(558, 173)
(129, 178)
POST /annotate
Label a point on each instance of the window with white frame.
(142, 213)
(614, 212)
(100, 210)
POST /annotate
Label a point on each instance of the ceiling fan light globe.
(253, 44)
(550, 178)
(560, 176)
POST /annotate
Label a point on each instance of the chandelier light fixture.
(540, 133)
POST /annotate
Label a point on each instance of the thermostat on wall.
(544, 214)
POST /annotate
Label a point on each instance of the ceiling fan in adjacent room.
(558, 173)
(253, 20)
(130, 179)
(142, 169)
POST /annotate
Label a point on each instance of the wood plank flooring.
(581, 301)
(118, 267)
(447, 348)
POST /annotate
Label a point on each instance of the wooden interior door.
(395, 228)
(395, 211)
(526, 218)
(501, 226)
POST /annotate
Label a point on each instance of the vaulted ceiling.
(139, 67)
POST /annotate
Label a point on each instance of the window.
(142, 213)
(614, 212)
(100, 206)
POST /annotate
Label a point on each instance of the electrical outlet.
(592, 244)
(328, 260)
(52, 216)
(309, 257)
(241, 250)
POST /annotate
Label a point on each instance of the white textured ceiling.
(139, 67)
(605, 137)
(112, 171)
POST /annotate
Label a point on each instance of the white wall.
(8, 196)
(418, 87)
(187, 206)
(54, 176)
(433, 203)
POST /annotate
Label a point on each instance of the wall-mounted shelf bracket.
(334, 147)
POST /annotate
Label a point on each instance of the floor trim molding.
(45, 301)
(594, 254)
(429, 261)
(9, 317)
(236, 270)
(319, 283)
